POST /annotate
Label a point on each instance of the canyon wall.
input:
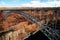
(23, 27)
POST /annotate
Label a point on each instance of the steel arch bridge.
(50, 31)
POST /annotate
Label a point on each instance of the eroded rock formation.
(17, 22)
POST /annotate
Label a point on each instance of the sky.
(29, 3)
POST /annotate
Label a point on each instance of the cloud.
(35, 3)
(32, 3)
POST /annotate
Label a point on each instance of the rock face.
(16, 22)
(1, 20)
(22, 27)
